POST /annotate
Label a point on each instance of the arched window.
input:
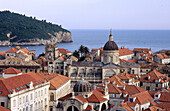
(52, 97)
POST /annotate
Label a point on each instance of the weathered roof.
(11, 70)
(154, 75)
(125, 51)
(18, 83)
(4, 109)
(17, 61)
(56, 80)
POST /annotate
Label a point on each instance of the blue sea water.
(154, 39)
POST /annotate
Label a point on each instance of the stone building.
(20, 64)
(161, 58)
(154, 80)
(95, 71)
(10, 72)
(26, 92)
(84, 98)
(59, 86)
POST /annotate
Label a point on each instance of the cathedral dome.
(110, 45)
(82, 86)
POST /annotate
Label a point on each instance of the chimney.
(3, 75)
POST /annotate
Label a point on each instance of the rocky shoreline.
(58, 37)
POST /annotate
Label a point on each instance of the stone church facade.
(94, 72)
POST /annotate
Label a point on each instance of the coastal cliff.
(17, 29)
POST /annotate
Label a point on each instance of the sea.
(154, 39)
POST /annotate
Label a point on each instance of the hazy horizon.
(96, 14)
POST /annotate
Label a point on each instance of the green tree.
(86, 50)
(81, 49)
(76, 54)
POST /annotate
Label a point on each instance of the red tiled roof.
(133, 61)
(132, 89)
(141, 49)
(96, 97)
(56, 80)
(164, 105)
(64, 51)
(111, 89)
(154, 75)
(116, 80)
(81, 98)
(124, 76)
(27, 51)
(8, 85)
(4, 109)
(62, 58)
(12, 50)
(125, 51)
(165, 97)
(89, 108)
(65, 97)
(122, 60)
(162, 56)
(11, 70)
(143, 97)
(3, 53)
(154, 108)
(125, 106)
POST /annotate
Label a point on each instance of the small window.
(17, 88)
(3, 104)
(21, 87)
(156, 85)
(0, 92)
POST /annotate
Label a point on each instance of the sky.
(96, 14)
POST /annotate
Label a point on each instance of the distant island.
(17, 29)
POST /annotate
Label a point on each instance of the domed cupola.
(83, 88)
(110, 52)
(110, 45)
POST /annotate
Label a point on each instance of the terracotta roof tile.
(141, 49)
(89, 108)
(4, 109)
(143, 97)
(56, 80)
(154, 108)
(154, 75)
(96, 97)
(12, 50)
(64, 51)
(125, 106)
(125, 51)
(164, 105)
(162, 56)
(65, 97)
(62, 58)
(11, 70)
(132, 89)
(165, 97)
(81, 98)
(111, 89)
(18, 83)
(3, 53)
